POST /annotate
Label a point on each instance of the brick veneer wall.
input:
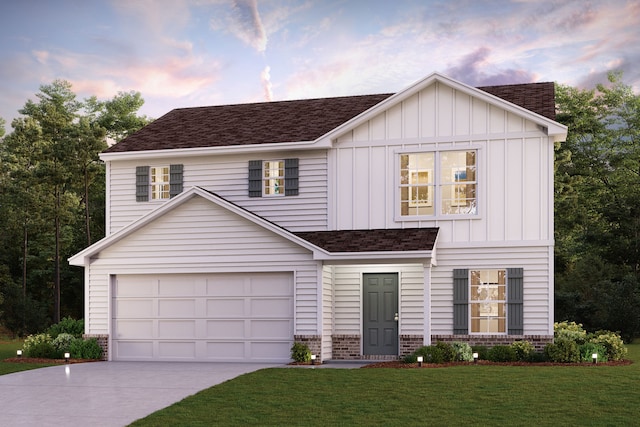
(346, 347)
(314, 342)
(538, 341)
(410, 343)
(103, 341)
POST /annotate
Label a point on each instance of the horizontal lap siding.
(199, 237)
(535, 262)
(227, 176)
(348, 297)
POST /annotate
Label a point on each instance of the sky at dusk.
(182, 53)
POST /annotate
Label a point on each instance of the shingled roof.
(288, 121)
(392, 240)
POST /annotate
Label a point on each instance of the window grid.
(488, 301)
(159, 182)
(273, 179)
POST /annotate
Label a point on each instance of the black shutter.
(142, 183)
(175, 180)
(461, 301)
(291, 177)
(515, 299)
(255, 178)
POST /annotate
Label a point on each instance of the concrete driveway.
(106, 393)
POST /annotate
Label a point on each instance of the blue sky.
(181, 53)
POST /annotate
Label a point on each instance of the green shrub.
(522, 349)
(67, 326)
(300, 352)
(63, 341)
(570, 331)
(448, 352)
(483, 351)
(536, 357)
(588, 349)
(463, 351)
(612, 343)
(563, 351)
(502, 353)
(85, 349)
(40, 346)
(431, 354)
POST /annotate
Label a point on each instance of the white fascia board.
(82, 258)
(370, 256)
(554, 129)
(203, 151)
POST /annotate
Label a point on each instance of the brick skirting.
(538, 341)
(103, 341)
(410, 343)
(346, 347)
(314, 342)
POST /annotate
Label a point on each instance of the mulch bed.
(398, 364)
(51, 361)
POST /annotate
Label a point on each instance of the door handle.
(396, 317)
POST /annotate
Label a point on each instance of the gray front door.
(380, 314)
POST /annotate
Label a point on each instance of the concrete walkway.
(106, 393)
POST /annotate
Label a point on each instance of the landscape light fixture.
(19, 353)
(313, 359)
(66, 357)
(594, 357)
(420, 359)
(475, 357)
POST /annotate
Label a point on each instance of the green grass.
(8, 348)
(464, 395)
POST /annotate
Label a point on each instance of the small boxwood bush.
(563, 351)
(523, 350)
(431, 354)
(85, 349)
(300, 352)
(502, 353)
(449, 353)
(483, 351)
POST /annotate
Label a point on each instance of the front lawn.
(462, 395)
(8, 348)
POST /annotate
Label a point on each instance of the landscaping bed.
(399, 364)
(49, 361)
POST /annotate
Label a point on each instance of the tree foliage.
(598, 207)
(52, 199)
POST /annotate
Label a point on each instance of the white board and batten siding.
(514, 164)
(200, 238)
(227, 176)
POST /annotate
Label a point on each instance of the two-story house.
(364, 226)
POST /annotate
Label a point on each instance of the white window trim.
(505, 302)
(265, 180)
(437, 185)
(154, 185)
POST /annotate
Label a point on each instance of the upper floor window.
(273, 178)
(438, 183)
(158, 182)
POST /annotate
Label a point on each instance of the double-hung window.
(438, 183)
(488, 301)
(159, 182)
(269, 178)
(273, 178)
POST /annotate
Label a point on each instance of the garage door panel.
(177, 308)
(271, 329)
(271, 307)
(134, 309)
(226, 350)
(225, 307)
(133, 329)
(226, 329)
(177, 350)
(133, 350)
(203, 317)
(177, 329)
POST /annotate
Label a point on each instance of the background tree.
(598, 207)
(52, 199)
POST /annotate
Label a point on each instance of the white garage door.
(195, 317)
